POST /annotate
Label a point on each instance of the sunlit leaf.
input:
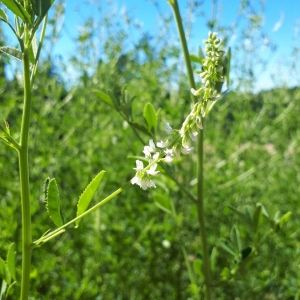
(3, 15)
(87, 195)
(150, 117)
(195, 59)
(197, 266)
(105, 98)
(284, 219)
(213, 258)
(18, 9)
(53, 203)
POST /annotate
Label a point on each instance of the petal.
(162, 144)
(187, 150)
(139, 165)
(152, 145)
(168, 128)
(152, 171)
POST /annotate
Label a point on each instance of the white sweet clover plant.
(179, 141)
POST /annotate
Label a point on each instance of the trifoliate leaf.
(87, 195)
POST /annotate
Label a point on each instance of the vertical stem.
(201, 217)
(176, 11)
(200, 200)
(24, 176)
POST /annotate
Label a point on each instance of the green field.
(146, 244)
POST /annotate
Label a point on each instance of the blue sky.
(281, 23)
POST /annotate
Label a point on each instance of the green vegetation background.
(251, 155)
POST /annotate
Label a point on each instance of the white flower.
(149, 149)
(162, 144)
(194, 92)
(199, 122)
(143, 183)
(142, 178)
(147, 183)
(169, 155)
(152, 171)
(139, 165)
(155, 156)
(168, 128)
(193, 135)
(187, 150)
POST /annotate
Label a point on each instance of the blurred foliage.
(131, 249)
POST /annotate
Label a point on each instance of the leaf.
(284, 219)
(53, 203)
(197, 266)
(225, 273)
(195, 59)
(41, 7)
(235, 238)
(213, 258)
(200, 53)
(18, 9)
(3, 15)
(46, 184)
(228, 249)
(11, 260)
(150, 117)
(4, 273)
(105, 98)
(7, 127)
(140, 127)
(256, 217)
(163, 203)
(13, 52)
(87, 195)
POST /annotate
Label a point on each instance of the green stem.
(24, 177)
(200, 200)
(187, 60)
(61, 229)
(201, 218)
